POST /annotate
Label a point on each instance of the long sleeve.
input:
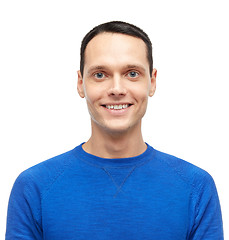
(23, 211)
(208, 219)
(80, 196)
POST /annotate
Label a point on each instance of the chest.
(116, 207)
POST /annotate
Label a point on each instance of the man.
(115, 186)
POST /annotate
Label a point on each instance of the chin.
(119, 129)
(116, 126)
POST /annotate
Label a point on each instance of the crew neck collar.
(114, 162)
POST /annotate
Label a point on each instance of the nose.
(117, 87)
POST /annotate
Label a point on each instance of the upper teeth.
(117, 106)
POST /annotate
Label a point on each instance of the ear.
(80, 88)
(153, 82)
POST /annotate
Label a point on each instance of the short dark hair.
(116, 27)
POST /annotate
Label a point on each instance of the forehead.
(115, 49)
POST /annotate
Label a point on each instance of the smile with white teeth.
(117, 107)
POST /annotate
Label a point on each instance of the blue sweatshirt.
(76, 195)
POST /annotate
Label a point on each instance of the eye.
(133, 74)
(99, 75)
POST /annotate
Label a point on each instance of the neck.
(115, 145)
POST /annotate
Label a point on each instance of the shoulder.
(193, 175)
(32, 185)
(39, 177)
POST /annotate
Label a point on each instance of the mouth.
(116, 106)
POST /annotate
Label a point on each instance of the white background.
(43, 116)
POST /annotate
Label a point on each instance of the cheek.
(89, 97)
(93, 94)
(90, 94)
(140, 93)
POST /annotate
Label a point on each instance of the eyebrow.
(128, 66)
(94, 68)
(140, 67)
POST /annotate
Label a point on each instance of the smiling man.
(116, 82)
(115, 186)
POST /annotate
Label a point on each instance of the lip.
(117, 103)
(118, 112)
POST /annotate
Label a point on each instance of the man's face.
(116, 82)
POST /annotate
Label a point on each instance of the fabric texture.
(80, 196)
